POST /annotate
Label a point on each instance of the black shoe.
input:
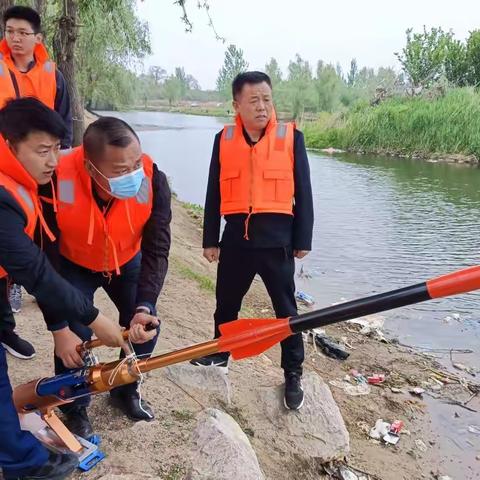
(76, 420)
(58, 467)
(293, 391)
(16, 346)
(213, 360)
(130, 403)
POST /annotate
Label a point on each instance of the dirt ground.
(185, 307)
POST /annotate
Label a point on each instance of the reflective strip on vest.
(143, 194)
(229, 132)
(26, 197)
(2, 70)
(66, 192)
(48, 67)
(281, 130)
(281, 135)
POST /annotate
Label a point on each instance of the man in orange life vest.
(113, 222)
(27, 71)
(260, 182)
(30, 136)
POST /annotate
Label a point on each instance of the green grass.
(203, 281)
(183, 415)
(449, 124)
(194, 210)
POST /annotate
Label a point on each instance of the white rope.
(131, 359)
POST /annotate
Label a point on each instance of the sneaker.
(213, 360)
(16, 346)
(293, 399)
(15, 298)
(58, 467)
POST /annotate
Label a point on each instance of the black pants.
(7, 320)
(122, 290)
(276, 267)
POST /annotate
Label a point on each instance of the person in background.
(27, 71)
(259, 181)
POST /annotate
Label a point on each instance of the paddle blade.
(455, 283)
(249, 337)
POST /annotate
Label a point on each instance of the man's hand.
(107, 331)
(137, 332)
(66, 343)
(211, 254)
(300, 253)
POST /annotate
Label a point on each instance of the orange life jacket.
(39, 82)
(23, 188)
(259, 178)
(88, 237)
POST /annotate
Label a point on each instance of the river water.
(380, 224)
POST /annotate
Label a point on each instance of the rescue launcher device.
(241, 338)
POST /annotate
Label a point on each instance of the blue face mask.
(124, 186)
(128, 185)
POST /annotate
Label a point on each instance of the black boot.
(77, 421)
(128, 400)
(58, 467)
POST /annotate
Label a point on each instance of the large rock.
(317, 430)
(213, 380)
(221, 451)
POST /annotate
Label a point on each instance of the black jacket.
(27, 265)
(266, 230)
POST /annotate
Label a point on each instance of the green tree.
(112, 39)
(157, 73)
(328, 86)
(273, 70)
(473, 57)
(456, 63)
(352, 74)
(233, 64)
(187, 82)
(300, 86)
(4, 4)
(423, 57)
(172, 89)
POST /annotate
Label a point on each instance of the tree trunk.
(4, 4)
(64, 49)
(39, 6)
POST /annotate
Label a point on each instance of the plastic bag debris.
(304, 298)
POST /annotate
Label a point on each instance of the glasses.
(23, 34)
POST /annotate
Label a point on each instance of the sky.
(335, 31)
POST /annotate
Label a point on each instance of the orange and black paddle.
(248, 337)
(242, 338)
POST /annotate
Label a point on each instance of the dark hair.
(24, 13)
(248, 77)
(107, 131)
(20, 117)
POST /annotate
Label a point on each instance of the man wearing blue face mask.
(112, 217)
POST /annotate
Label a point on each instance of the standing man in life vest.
(260, 182)
(30, 136)
(113, 221)
(27, 71)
